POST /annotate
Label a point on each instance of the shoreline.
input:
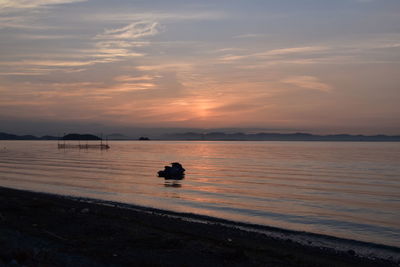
(361, 248)
(93, 232)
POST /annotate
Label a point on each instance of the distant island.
(219, 136)
(75, 136)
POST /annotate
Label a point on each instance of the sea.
(344, 189)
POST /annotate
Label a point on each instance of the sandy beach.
(38, 229)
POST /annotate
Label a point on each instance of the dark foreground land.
(48, 230)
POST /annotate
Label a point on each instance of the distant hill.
(7, 136)
(75, 136)
(220, 136)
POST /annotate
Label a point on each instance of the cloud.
(110, 46)
(127, 87)
(165, 67)
(308, 82)
(126, 83)
(113, 46)
(231, 57)
(249, 35)
(277, 52)
(134, 30)
(228, 49)
(163, 16)
(44, 37)
(24, 14)
(24, 4)
(293, 50)
(127, 78)
(21, 20)
(116, 44)
(114, 50)
(50, 63)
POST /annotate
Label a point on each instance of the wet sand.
(38, 229)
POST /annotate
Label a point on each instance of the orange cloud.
(308, 82)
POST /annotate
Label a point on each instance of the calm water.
(345, 189)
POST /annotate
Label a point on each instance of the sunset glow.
(317, 66)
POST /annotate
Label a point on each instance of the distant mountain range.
(220, 136)
(215, 136)
(7, 136)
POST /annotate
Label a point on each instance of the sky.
(318, 66)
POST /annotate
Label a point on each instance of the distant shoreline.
(218, 136)
(100, 233)
(233, 141)
(223, 140)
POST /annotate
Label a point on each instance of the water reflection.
(344, 189)
(173, 183)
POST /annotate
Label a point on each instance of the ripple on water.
(350, 190)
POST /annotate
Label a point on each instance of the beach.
(38, 229)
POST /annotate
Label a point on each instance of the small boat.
(175, 171)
